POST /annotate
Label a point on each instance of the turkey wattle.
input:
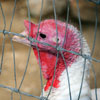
(75, 63)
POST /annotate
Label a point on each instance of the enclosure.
(20, 75)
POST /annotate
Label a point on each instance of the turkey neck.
(75, 77)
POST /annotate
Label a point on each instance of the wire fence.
(86, 57)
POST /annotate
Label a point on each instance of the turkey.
(66, 61)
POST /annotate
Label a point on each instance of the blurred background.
(31, 83)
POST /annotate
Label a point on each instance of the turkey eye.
(42, 35)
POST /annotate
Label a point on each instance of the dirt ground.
(31, 83)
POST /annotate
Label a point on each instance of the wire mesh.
(86, 57)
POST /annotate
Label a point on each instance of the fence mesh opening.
(16, 89)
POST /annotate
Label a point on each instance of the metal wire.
(38, 50)
(11, 95)
(96, 23)
(80, 25)
(3, 44)
(95, 81)
(82, 79)
(95, 1)
(55, 22)
(59, 50)
(25, 69)
(53, 75)
(67, 76)
(67, 19)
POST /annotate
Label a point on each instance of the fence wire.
(58, 48)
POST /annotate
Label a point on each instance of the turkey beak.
(22, 39)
